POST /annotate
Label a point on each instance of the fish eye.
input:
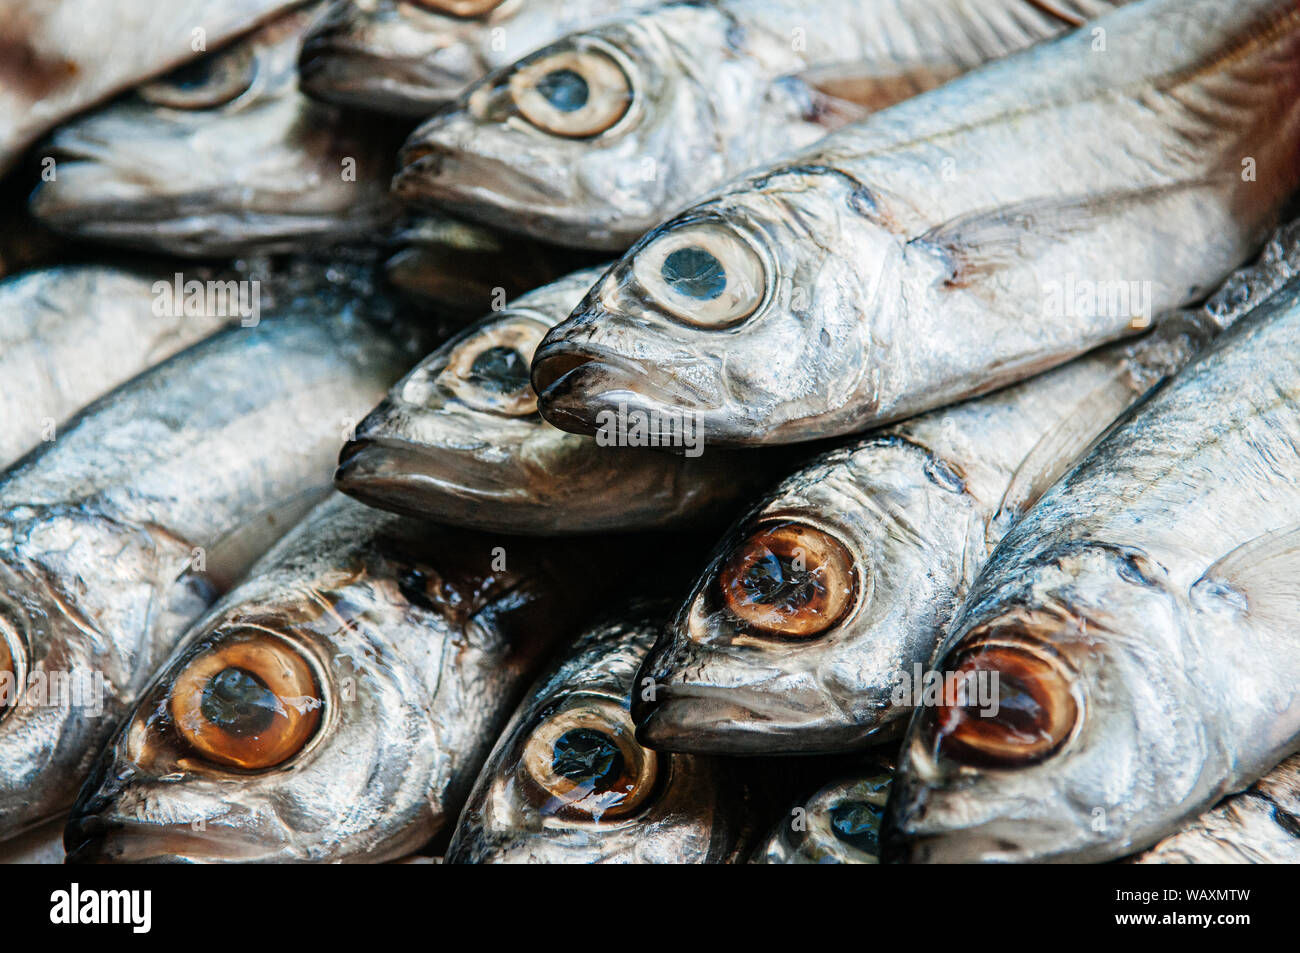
(461, 8)
(583, 762)
(204, 83)
(1035, 710)
(788, 580)
(576, 94)
(704, 275)
(251, 701)
(489, 370)
(10, 677)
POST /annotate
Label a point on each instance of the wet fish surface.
(119, 533)
(71, 333)
(58, 57)
(838, 824)
(459, 440)
(602, 135)
(222, 157)
(409, 59)
(939, 249)
(771, 654)
(568, 783)
(337, 705)
(1139, 623)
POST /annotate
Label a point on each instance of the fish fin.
(1260, 578)
(229, 557)
(846, 92)
(1060, 447)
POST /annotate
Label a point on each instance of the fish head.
(220, 154)
(814, 609)
(568, 782)
(303, 722)
(404, 57)
(589, 141)
(1060, 727)
(841, 825)
(733, 314)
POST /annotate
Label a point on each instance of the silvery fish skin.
(938, 249)
(406, 646)
(70, 333)
(408, 58)
(117, 535)
(40, 845)
(605, 133)
(1139, 622)
(459, 440)
(838, 824)
(567, 782)
(58, 57)
(768, 658)
(220, 158)
(1261, 825)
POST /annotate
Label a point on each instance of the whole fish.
(605, 133)
(838, 824)
(1261, 825)
(770, 656)
(70, 333)
(337, 705)
(408, 58)
(568, 783)
(118, 534)
(1137, 627)
(222, 157)
(58, 57)
(459, 440)
(957, 242)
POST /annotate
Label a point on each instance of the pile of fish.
(629, 431)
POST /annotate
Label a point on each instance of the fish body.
(767, 658)
(459, 440)
(956, 242)
(119, 533)
(568, 783)
(221, 158)
(409, 59)
(1139, 627)
(58, 57)
(406, 646)
(603, 134)
(69, 333)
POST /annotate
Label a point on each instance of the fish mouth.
(336, 71)
(95, 839)
(393, 475)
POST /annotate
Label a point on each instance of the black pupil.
(564, 89)
(193, 75)
(857, 824)
(237, 701)
(500, 369)
(695, 273)
(773, 579)
(587, 757)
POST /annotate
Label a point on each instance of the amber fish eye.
(704, 275)
(489, 370)
(586, 765)
(461, 8)
(204, 83)
(1034, 715)
(788, 580)
(250, 701)
(9, 688)
(576, 93)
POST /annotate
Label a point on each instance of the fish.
(568, 783)
(1136, 628)
(769, 656)
(58, 57)
(838, 824)
(1261, 825)
(337, 704)
(459, 440)
(222, 157)
(150, 503)
(600, 136)
(957, 242)
(409, 58)
(70, 333)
